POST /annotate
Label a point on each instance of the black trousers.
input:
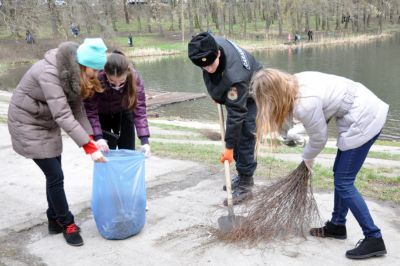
(243, 152)
(56, 199)
(121, 124)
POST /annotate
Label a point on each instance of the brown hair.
(275, 93)
(88, 85)
(117, 65)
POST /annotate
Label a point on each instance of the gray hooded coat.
(46, 99)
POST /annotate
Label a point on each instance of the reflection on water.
(375, 64)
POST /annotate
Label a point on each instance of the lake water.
(375, 64)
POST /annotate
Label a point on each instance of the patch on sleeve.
(233, 94)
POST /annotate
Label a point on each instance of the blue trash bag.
(119, 194)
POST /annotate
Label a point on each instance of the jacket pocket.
(30, 105)
(44, 110)
(37, 109)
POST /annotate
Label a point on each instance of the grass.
(179, 137)
(388, 143)
(5, 66)
(187, 151)
(280, 148)
(3, 119)
(373, 183)
(172, 127)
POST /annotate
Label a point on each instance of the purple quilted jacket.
(111, 101)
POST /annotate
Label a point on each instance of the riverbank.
(272, 44)
(146, 46)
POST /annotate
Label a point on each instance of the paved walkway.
(184, 200)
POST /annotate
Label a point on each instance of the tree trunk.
(244, 20)
(220, 17)
(364, 19)
(279, 17)
(190, 16)
(171, 16)
(255, 6)
(113, 17)
(357, 17)
(230, 16)
(307, 20)
(267, 18)
(197, 17)
(317, 22)
(138, 18)
(125, 12)
(53, 17)
(148, 20)
(337, 17)
(182, 18)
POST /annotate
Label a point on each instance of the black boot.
(240, 194)
(330, 230)
(369, 247)
(243, 180)
(72, 235)
(55, 227)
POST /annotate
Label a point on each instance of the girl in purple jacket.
(120, 108)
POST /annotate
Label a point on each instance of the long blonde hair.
(275, 93)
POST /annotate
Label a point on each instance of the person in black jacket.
(227, 71)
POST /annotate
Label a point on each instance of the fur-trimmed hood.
(46, 99)
(64, 59)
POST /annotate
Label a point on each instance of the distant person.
(130, 40)
(48, 99)
(310, 35)
(75, 30)
(296, 37)
(227, 70)
(314, 98)
(29, 37)
(289, 38)
(120, 109)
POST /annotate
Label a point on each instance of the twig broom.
(285, 208)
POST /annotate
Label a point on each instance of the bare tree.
(279, 16)
(155, 11)
(231, 12)
(125, 11)
(190, 16)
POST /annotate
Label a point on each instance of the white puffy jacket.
(359, 114)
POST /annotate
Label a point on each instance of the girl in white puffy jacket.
(314, 99)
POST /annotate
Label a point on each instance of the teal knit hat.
(92, 53)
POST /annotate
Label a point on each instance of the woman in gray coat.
(315, 98)
(47, 99)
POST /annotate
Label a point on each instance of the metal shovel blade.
(229, 223)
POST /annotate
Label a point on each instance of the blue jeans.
(347, 165)
(56, 199)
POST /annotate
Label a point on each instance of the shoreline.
(155, 52)
(276, 45)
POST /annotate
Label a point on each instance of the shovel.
(227, 223)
